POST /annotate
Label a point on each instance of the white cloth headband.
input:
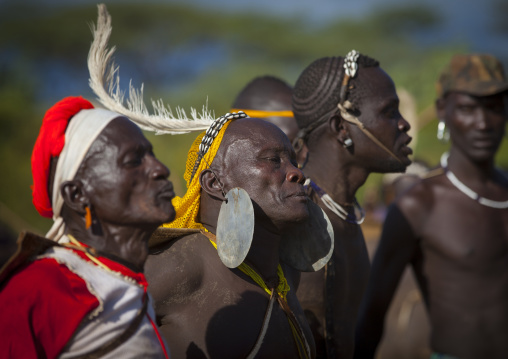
(83, 129)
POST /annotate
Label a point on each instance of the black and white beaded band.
(212, 132)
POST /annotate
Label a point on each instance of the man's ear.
(210, 184)
(74, 196)
(339, 128)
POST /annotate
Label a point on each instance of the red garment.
(50, 143)
(41, 306)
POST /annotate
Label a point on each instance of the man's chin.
(171, 217)
(296, 219)
(167, 213)
(397, 166)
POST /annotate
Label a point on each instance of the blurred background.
(187, 52)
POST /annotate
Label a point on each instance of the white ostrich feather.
(105, 82)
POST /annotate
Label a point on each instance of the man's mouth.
(405, 149)
(484, 142)
(167, 191)
(299, 195)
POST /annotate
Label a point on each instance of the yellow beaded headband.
(201, 154)
(263, 114)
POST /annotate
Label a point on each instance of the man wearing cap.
(81, 292)
(452, 227)
(348, 113)
(224, 279)
(269, 98)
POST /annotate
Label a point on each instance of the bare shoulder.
(421, 196)
(176, 265)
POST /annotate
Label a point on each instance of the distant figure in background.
(81, 291)
(268, 98)
(452, 228)
(348, 114)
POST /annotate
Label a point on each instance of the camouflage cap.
(475, 74)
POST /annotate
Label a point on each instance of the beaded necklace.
(281, 295)
(334, 206)
(468, 191)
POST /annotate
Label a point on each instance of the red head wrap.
(50, 143)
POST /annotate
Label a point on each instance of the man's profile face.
(259, 158)
(379, 112)
(124, 181)
(477, 124)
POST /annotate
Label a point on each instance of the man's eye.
(498, 109)
(133, 161)
(392, 112)
(466, 109)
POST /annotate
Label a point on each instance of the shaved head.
(256, 155)
(269, 93)
(266, 93)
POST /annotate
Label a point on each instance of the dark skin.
(128, 192)
(206, 310)
(281, 102)
(279, 99)
(340, 171)
(455, 246)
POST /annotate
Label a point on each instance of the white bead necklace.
(466, 190)
(336, 208)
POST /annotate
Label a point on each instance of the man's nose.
(481, 118)
(159, 170)
(295, 175)
(404, 126)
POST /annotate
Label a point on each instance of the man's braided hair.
(317, 90)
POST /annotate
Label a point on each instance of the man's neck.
(263, 255)
(463, 167)
(126, 245)
(339, 179)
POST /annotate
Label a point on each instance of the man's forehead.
(252, 128)
(375, 80)
(118, 137)
(123, 131)
(257, 135)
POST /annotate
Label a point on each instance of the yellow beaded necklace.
(282, 290)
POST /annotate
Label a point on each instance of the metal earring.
(443, 133)
(348, 142)
(235, 227)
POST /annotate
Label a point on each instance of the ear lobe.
(74, 195)
(339, 127)
(210, 184)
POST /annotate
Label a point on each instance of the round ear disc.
(235, 227)
(308, 246)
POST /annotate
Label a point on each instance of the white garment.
(120, 299)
